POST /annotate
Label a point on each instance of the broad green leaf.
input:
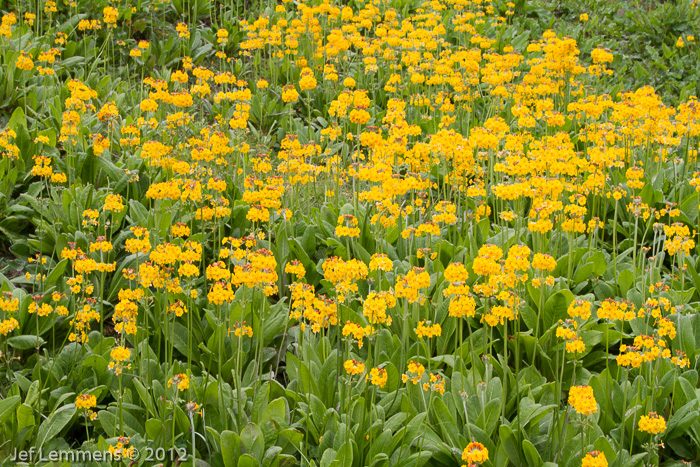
(531, 455)
(555, 308)
(18, 118)
(54, 424)
(7, 407)
(246, 460)
(25, 342)
(231, 448)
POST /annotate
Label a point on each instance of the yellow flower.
(289, 94)
(414, 372)
(378, 377)
(24, 62)
(182, 30)
(113, 203)
(110, 15)
(181, 381)
(575, 346)
(543, 262)
(120, 354)
(652, 423)
(582, 400)
(594, 459)
(85, 401)
(180, 230)
(148, 105)
(221, 36)
(296, 268)
(307, 82)
(428, 331)
(456, 272)
(8, 325)
(347, 227)
(475, 453)
(353, 367)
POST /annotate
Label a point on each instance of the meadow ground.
(322, 233)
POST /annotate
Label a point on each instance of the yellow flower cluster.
(241, 329)
(376, 305)
(409, 286)
(582, 400)
(181, 381)
(81, 321)
(428, 331)
(475, 454)
(435, 383)
(344, 274)
(85, 401)
(378, 377)
(8, 325)
(594, 459)
(616, 310)
(579, 309)
(353, 367)
(295, 268)
(652, 423)
(347, 227)
(358, 332)
(414, 372)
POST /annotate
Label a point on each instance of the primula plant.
(362, 233)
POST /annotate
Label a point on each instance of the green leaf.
(531, 455)
(509, 443)
(138, 213)
(689, 207)
(417, 459)
(635, 460)
(685, 339)
(18, 118)
(108, 167)
(381, 444)
(25, 342)
(293, 437)
(284, 460)
(56, 273)
(625, 280)
(308, 240)
(145, 396)
(246, 460)
(180, 336)
(598, 259)
(361, 253)
(7, 407)
(555, 307)
(603, 444)
(277, 411)
(344, 455)
(54, 424)
(25, 417)
(682, 419)
(253, 440)
(584, 272)
(154, 428)
(231, 448)
(447, 422)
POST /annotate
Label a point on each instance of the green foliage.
(643, 35)
(355, 275)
